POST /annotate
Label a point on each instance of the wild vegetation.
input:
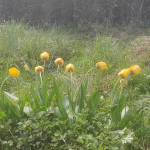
(82, 106)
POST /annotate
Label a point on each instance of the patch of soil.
(141, 46)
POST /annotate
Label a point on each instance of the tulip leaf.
(130, 115)
(82, 95)
(58, 95)
(44, 88)
(65, 102)
(46, 99)
(69, 97)
(118, 104)
(60, 105)
(11, 96)
(3, 116)
(49, 98)
(35, 95)
(67, 107)
(38, 97)
(93, 101)
(56, 111)
(29, 111)
(22, 104)
(8, 107)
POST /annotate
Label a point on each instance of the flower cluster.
(133, 70)
(69, 68)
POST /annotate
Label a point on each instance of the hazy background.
(76, 12)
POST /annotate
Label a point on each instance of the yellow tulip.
(101, 65)
(14, 72)
(59, 62)
(26, 68)
(39, 69)
(123, 81)
(135, 70)
(44, 56)
(70, 68)
(124, 73)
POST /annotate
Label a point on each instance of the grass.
(21, 44)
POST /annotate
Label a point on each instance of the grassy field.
(86, 110)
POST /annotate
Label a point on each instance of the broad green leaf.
(22, 103)
(93, 101)
(56, 111)
(44, 88)
(49, 99)
(35, 97)
(35, 115)
(67, 107)
(3, 116)
(124, 111)
(59, 101)
(118, 103)
(82, 95)
(32, 104)
(9, 108)
(129, 116)
(65, 102)
(69, 97)
(46, 99)
(11, 96)
(58, 95)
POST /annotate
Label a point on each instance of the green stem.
(71, 79)
(18, 90)
(41, 77)
(71, 89)
(3, 82)
(117, 82)
(99, 74)
(44, 67)
(121, 91)
(89, 71)
(44, 63)
(57, 69)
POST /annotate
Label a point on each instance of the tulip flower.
(39, 69)
(70, 68)
(124, 73)
(26, 68)
(14, 72)
(101, 65)
(135, 70)
(59, 62)
(44, 56)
